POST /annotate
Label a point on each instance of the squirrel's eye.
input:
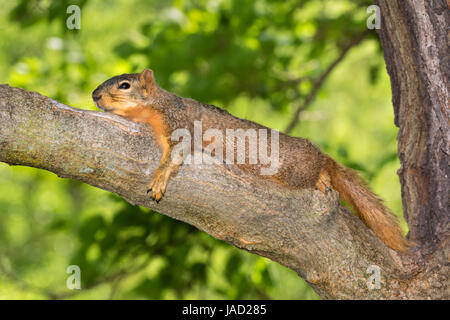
(124, 85)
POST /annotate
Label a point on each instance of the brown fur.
(367, 205)
(302, 164)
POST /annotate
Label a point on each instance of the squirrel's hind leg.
(324, 181)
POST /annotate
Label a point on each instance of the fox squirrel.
(301, 164)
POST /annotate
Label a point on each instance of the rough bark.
(304, 230)
(415, 41)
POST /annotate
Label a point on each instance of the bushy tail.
(368, 206)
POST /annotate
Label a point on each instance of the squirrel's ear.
(147, 80)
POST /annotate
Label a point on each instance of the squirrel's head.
(121, 94)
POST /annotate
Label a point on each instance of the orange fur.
(151, 117)
(367, 205)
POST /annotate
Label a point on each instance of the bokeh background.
(260, 60)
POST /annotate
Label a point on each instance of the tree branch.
(304, 230)
(321, 80)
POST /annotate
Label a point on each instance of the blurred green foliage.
(258, 59)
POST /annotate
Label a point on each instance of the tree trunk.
(414, 37)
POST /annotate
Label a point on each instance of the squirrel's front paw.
(159, 183)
